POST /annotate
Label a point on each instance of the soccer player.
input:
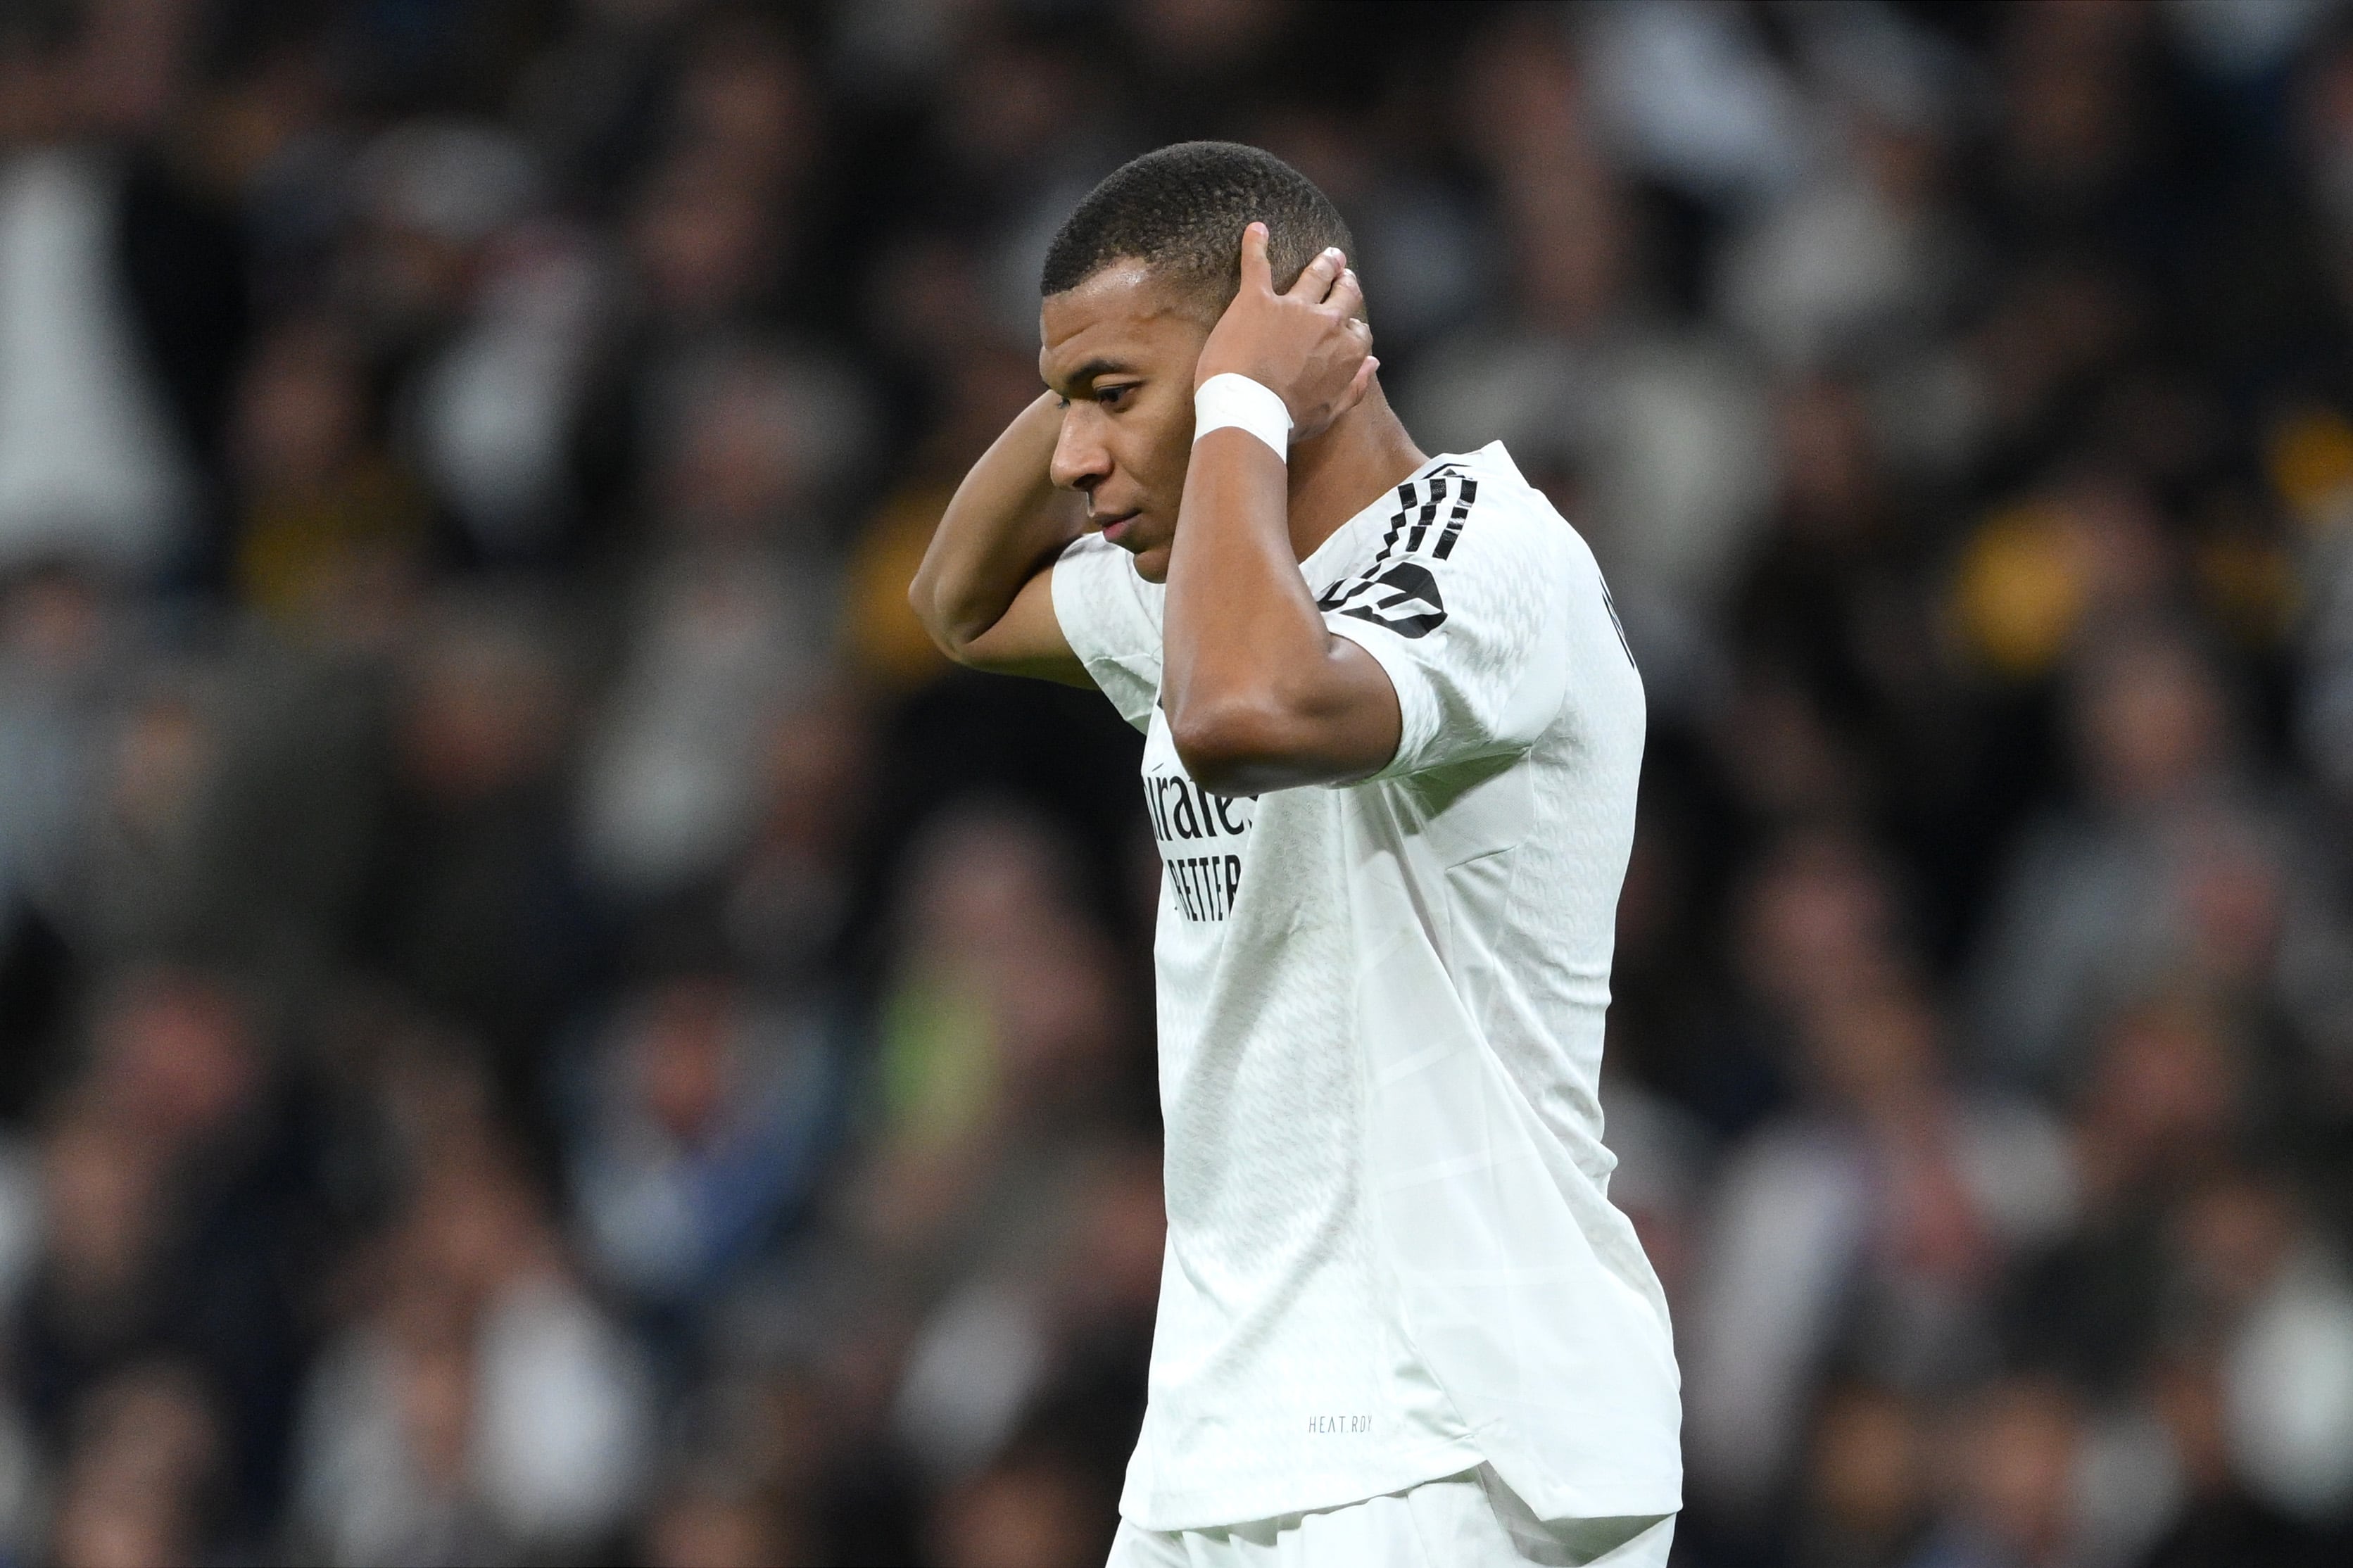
(1392, 736)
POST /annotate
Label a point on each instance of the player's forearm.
(1257, 696)
(1006, 523)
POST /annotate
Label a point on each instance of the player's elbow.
(1234, 746)
(1244, 736)
(922, 598)
(960, 650)
(948, 634)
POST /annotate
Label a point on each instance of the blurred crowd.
(541, 1023)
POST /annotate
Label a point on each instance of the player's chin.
(1152, 562)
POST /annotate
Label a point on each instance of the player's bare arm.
(985, 591)
(1259, 694)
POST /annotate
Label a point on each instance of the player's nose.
(1080, 463)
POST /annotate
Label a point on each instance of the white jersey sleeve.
(1111, 618)
(1467, 607)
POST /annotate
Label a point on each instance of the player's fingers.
(1348, 295)
(1256, 274)
(1316, 279)
(1360, 384)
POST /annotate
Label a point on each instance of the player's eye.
(1109, 396)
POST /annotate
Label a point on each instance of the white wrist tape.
(1236, 402)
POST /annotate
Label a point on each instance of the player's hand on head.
(1308, 345)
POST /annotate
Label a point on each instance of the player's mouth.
(1116, 529)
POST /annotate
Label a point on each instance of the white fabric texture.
(1459, 1521)
(1391, 1253)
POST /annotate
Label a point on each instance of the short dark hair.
(1181, 212)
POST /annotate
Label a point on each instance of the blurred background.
(540, 1023)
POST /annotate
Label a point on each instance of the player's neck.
(1363, 456)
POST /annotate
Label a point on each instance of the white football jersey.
(1391, 1253)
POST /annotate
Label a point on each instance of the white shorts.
(1470, 1520)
